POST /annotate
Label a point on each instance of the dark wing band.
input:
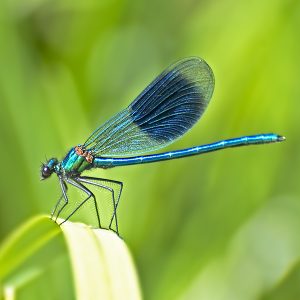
(163, 112)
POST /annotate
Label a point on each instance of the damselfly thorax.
(77, 160)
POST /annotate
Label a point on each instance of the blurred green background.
(219, 226)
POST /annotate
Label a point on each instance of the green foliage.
(35, 254)
(198, 226)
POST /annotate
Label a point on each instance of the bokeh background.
(219, 226)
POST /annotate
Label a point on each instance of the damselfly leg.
(80, 186)
(56, 206)
(63, 197)
(115, 193)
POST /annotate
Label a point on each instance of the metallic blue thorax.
(74, 163)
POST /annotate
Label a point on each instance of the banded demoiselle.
(162, 113)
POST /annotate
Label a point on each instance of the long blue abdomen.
(102, 162)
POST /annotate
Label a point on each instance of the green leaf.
(100, 262)
(25, 242)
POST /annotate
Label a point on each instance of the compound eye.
(46, 172)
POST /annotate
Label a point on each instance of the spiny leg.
(65, 196)
(58, 202)
(117, 203)
(119, 196)
(80, 186)
(56, 205)
(87, 179)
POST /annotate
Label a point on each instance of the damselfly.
(162, 113)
